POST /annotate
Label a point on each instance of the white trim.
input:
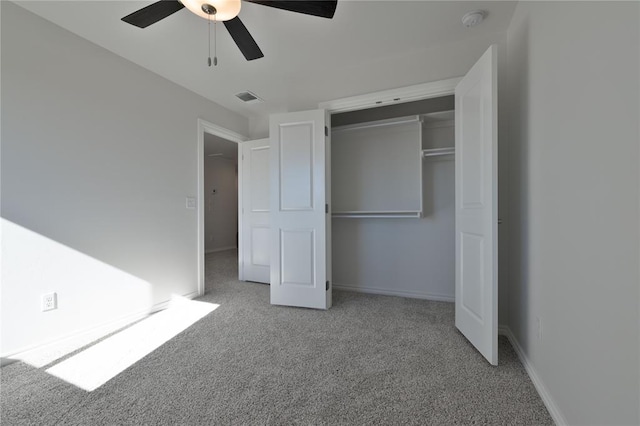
(240, 213)
(393, 96)
(400, 293)
(106, 327)
(222, 132)
(503, 330)
(213, 129)
(548, 401)
(220, 249)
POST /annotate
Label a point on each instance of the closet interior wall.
(410, 257)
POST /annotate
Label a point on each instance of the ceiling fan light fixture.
(225, 9)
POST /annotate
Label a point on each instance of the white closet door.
(300, 257)
(256, 230)
(477, 206)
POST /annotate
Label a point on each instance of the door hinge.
(326, 131)
(328, 285)
(326, 208)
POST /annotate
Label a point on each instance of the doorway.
(220, 205)
(217, 195)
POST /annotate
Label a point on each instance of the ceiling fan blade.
(243, 39)
(153, 13)
(321, 8)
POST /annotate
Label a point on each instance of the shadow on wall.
(102, 357)
(89, 292)
(103, 361)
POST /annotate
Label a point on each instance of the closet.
(393, 200)
(423, 227)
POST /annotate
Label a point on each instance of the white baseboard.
(88, 334)
(503, 330)
(401, 293)
(548, 401)
(220, 249)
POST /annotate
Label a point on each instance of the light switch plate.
(191, 203)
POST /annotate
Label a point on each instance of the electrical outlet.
(191, 203)
(539, 328)
(49, 302)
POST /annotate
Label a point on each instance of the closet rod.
(381, 123)
(377, 214)
(437, 151)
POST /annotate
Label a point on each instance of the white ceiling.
(368, 46)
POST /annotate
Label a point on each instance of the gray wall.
(221, 209)
(98, 156)
(573, 88)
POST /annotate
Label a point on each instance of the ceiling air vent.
(248, 97)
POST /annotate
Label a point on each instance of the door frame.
(401, 95)
(417, 92)
(213, 129)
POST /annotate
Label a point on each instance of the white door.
(300, 215)
(477, 205)
(255, 245)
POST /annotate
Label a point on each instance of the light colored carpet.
(368, 360)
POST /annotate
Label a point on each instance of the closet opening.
(380, 220)
(393, 200)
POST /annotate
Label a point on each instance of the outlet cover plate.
(49, 302)
(192, 203)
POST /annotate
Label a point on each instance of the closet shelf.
(378, 214)
(438, 151)
(379, 123)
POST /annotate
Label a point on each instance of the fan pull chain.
(209, 39)
(215, 41)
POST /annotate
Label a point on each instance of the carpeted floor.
(368, 360)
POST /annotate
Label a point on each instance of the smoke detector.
(472, 19)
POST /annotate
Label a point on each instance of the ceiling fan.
(227, 11)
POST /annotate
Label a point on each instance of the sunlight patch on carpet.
(98, 364)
